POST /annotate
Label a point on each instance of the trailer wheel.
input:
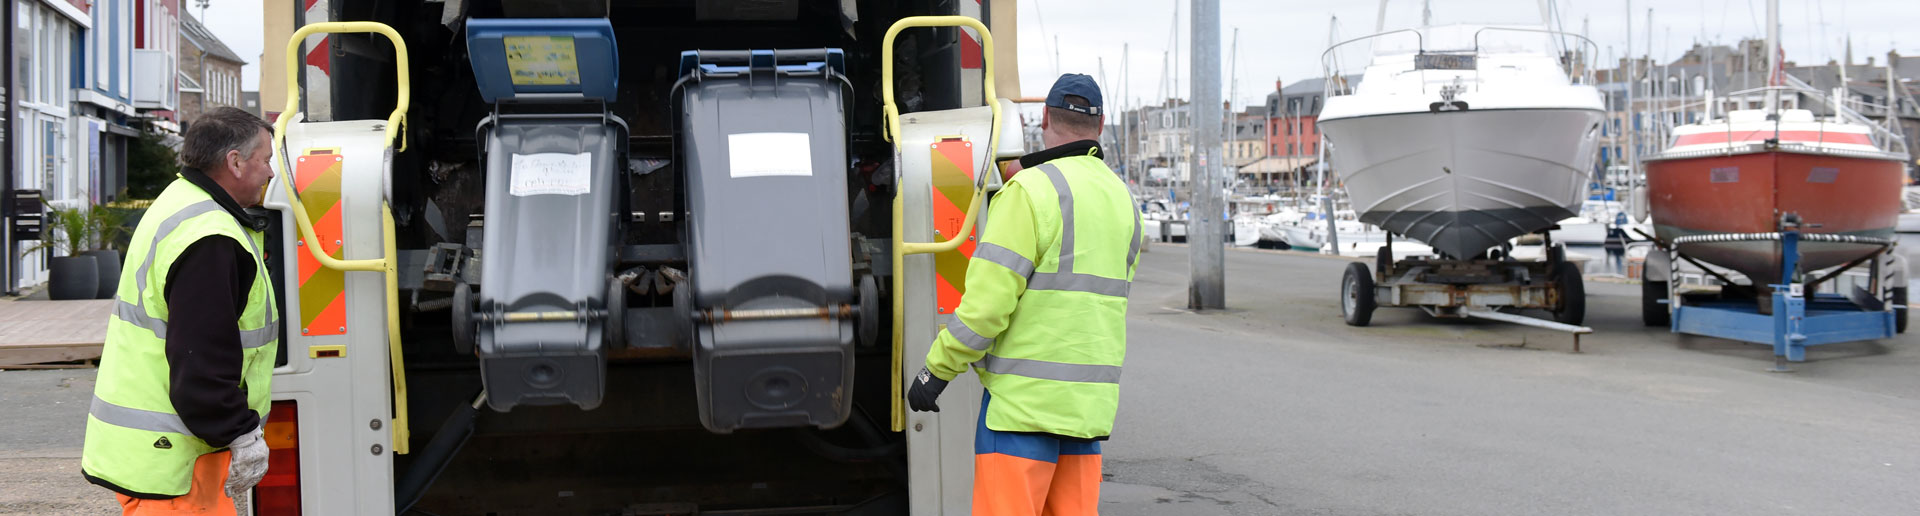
(1900, 309)
(1573, 294)
(1356, 295)
(1652, 311)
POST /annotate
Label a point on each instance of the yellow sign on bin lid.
(542, 60)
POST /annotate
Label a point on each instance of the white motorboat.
(1246, 230)
(1463, 136)
(1307, 231)
(1590, 226)
(1163, 222)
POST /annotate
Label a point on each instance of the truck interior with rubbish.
(625, 257)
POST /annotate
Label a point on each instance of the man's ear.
(235, 163)
(1046, 117)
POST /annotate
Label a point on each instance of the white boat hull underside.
(1465, 181)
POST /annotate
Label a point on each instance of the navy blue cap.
(1079, 85)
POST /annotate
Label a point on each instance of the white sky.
(238, 24)
(1284, 38)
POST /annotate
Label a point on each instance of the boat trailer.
(1798, 315)
(1485, 288)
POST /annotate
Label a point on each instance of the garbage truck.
(654, 257)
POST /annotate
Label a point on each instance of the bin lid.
(744, 63)
(544, 59)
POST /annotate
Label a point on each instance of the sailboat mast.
(1633, 129)
(1231, 126)
(1773, 57)
(1893, 100)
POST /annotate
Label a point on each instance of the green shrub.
(151, 165)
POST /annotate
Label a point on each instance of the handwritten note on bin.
(551, 174)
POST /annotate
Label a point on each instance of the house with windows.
(156, 61)
(103, 111)
(47, 48)
(80, 72)
(209, 71)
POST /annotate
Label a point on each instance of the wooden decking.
(36, 332)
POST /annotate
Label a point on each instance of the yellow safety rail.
(388, 262)
(901, 247)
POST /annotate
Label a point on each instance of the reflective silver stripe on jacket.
(136, 313)
(1133, 247)
(1004, 257)
(1045, 370)
(136, 419)
(1066, 279)
(1079, 283)
(958, 328)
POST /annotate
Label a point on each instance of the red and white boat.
(1743, 173)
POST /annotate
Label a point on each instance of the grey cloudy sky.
(1284, 38)
(237, 23)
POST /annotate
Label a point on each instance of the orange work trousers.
(1027, 474)
(207, 496)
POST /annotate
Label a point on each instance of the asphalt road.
(42, 417)
(1275, 407)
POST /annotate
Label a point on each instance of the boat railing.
(1336, 85)
(1585, 77)
(1883, 139)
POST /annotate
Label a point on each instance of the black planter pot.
(108, 263)
(73, 277)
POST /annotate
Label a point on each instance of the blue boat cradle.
(1800, 319)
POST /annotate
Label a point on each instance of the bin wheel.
(1900, 309)
(1652, 311)
(463, 326)
(1356, 295)
(615, 327)
(1573, 294)
(1557, 253)
(869, 324)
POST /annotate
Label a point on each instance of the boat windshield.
(1463, 27)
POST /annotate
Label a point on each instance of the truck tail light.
(279, 492)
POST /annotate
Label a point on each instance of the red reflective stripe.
(318, 56)
(1763, 135)
(969, 51)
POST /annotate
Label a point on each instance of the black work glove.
(926, 388)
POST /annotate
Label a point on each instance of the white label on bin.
(552, 174)
(769, 154)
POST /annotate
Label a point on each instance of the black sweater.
(206, 292)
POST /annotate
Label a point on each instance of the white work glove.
(248, 466)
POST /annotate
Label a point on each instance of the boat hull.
(1466, 181)
(1747, 193)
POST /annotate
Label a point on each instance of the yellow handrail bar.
(901, 247)
(388, 262)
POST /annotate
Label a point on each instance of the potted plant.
(108, 224)
(76, 275)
